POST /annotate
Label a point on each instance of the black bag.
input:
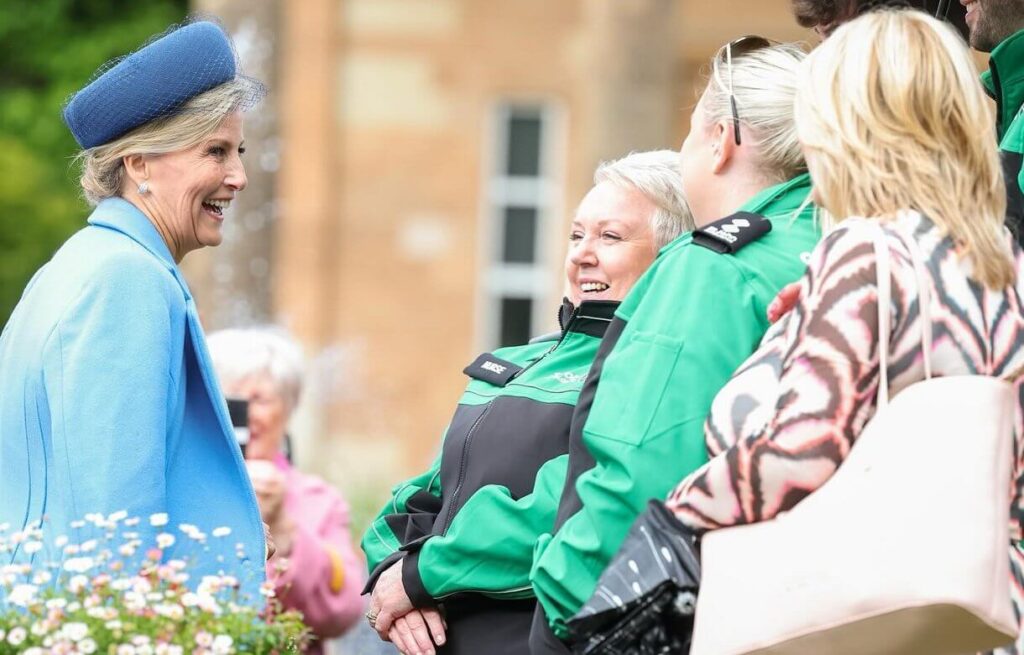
(645, 600)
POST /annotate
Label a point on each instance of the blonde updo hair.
(764, 83)
(103, 169)
(892, 117)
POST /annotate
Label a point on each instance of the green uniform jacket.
(469, 524)
(689, 322)
(1004, 81)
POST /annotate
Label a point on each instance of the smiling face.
(990, 22)
(188, 190)
(268, 414)
(611, 243)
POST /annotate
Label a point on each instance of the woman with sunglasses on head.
(687, 324)
(742, 139)
(907, 152)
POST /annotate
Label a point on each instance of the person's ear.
(136, 167)
(723, 146)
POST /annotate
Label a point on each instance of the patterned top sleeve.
(768, 459)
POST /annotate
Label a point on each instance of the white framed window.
(520, 230)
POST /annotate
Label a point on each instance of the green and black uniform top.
(469, 524)
(1004, 81)
(696, 314)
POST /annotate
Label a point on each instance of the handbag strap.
(924, 299)
(884, 294)
(883, 268)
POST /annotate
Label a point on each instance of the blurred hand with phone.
(315, 569)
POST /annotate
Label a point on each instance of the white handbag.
(904, 551)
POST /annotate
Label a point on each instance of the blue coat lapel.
(120, 215)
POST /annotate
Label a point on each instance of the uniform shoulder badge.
(495, 370)
(728, 235)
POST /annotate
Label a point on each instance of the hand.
(269, 538)
(411, 634)
(784, 301)
(269, 483)
(390, 602)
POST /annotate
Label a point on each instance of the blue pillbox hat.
(152, 82)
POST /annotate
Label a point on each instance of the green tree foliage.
(48, 50)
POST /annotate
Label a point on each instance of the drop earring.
(144, 188)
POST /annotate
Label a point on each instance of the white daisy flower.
(222, 645)
(75, 631)
(79, 564)
(21, 595)
(78, 583)
(16, 636)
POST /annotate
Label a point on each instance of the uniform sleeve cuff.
(413, 583)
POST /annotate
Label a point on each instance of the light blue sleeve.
(112, 389)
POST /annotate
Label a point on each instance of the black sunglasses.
(737, 48)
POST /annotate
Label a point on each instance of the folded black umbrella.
(645, 600)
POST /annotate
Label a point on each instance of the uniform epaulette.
(728, 235)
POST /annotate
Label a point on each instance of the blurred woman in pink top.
(315, 569)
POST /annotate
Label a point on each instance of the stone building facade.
(424, 162)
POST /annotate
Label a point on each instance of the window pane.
(516, 316)
(520, 235)
(524, 145)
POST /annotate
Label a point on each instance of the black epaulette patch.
(728, 235)
(495, 370)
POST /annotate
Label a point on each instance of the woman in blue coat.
(108, 401)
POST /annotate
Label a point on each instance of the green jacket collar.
(775, 201)
(781, 198)
(1004, 80)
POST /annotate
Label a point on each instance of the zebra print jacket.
(789, 415)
